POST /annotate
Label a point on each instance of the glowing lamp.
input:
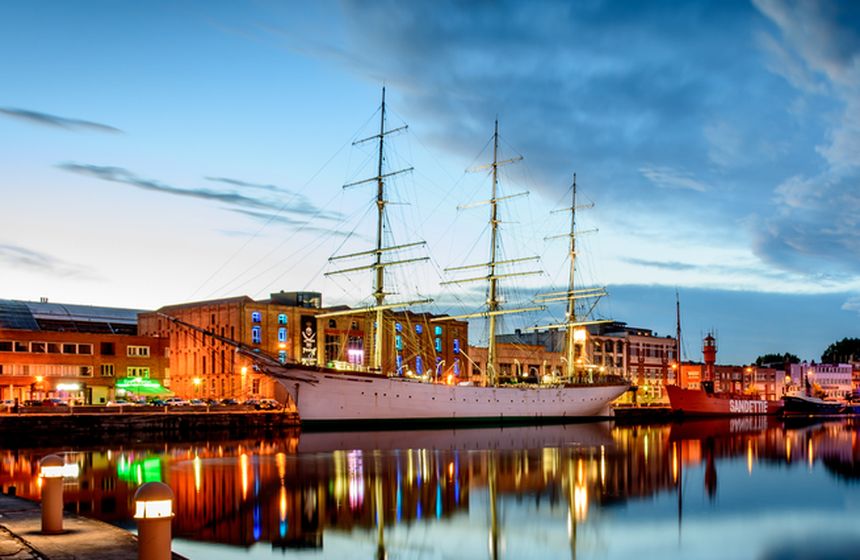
(153, 500)
(52, 466)
(153, 511)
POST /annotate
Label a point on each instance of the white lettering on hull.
(747, 407)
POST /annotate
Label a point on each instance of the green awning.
(142, 386)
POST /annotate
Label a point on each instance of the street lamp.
(196, 381)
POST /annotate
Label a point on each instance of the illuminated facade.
(286, 326)
(74, 352)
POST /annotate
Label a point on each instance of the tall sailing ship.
(327, 396)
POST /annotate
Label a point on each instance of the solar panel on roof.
(16, 315)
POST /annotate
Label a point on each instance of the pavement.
(83, 538)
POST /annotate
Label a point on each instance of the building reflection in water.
(293, 490)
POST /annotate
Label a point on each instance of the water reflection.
(576, 491)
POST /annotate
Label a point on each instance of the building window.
(135, 351)
(419, 329)
(438, 365)
(1, 369)
(438, 330)
(85, 349)
(106, 349)
(332, 324)
(456, 345)
(37, 347)
(282, 319)
(419, 365)
(456, 366)
(399, 364)
(256, 317)
(282, 356)
(137, 371)
(22, 346)
(5, 345)
(256, 335)
(282, 334)
(438, 344)
(70, 348)
(398, 327)
(53, 348)
(106, 370)
(398, 342)
(86, 371)
(255, 385)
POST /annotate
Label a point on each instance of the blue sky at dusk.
(162, 152)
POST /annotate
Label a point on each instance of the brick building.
(286, 326)
(74, 352)
(610, 348)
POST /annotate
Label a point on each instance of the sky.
(163, 152)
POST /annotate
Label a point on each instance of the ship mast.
(572, 294)
(493, 302)
(379, 264)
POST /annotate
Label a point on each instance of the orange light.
(450, 379)
(39, 379)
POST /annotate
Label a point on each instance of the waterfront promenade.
(21, 537)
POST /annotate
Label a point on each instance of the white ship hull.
(323, 396)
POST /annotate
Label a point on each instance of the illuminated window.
(438, 344)
(438, 365)
(131, 351)
(456, 366)
(419, 365)
(106, 370)
(256, 317)
(256, 335)
(282, 334)
(282, 319)
(438, 330)
(398, 327)
(456, 345)
(282, 356)
(419, 329)
(399, 364)
(398, 342)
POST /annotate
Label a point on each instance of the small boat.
(804, 404)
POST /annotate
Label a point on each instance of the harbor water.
(743, 488)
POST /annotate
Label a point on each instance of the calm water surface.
(743, 488)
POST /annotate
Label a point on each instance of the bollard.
(153, 511)
(51, 471)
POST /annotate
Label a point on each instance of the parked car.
(212, 402)
(175, 401)
(54, 401)
(268, 404)
(229, 402)
(157, 402)
(197, 402)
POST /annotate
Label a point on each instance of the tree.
(846, 350)
(777, 361)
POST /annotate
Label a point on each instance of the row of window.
(257, 317)
(85, 349)
(105, 370)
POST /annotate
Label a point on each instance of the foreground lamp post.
(51, 470)
(153, 511)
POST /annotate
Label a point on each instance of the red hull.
(699, 403)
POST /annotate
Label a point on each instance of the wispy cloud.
(852, 304)
(668, 265)
(668, 178)
(16, 256)
(264, 209)
(46, 119)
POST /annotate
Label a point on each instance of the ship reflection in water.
(741, 488)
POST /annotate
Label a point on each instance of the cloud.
(668, 178)
(303, 225)
(662, 265)
(240, 183)
(815, 216)
(852, 304)
(297, 204)
(16, 256)
(46, 119)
